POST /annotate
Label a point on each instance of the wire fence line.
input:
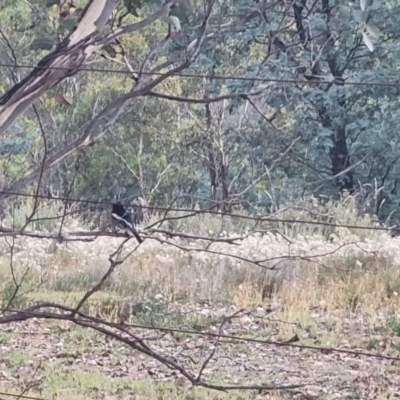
(205, 211)
(286, 343)
(320, 79)
(116, 331)
(21, 396)
(94, 323)
(139, 343)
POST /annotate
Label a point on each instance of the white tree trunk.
(63, 62)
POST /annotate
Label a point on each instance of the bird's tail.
(133, 232)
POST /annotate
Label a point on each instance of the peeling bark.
(60, 64)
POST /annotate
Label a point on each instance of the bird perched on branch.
(123, 220)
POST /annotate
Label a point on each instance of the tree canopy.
(205, 102)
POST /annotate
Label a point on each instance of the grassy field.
(330, 287)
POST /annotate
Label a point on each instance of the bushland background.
(264, 137)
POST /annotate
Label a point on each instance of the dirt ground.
(57, 360)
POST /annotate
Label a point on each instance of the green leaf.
(68, 24)
(110, 50)
(198, 32)
(183, 11)
(368, 42)
(375, 6)
(132, 6)
(42, 43)
(358, 16)
(344, 11)
(373, 31)
(173, 20)
(50, 3)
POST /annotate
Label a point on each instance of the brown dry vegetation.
(341, 290)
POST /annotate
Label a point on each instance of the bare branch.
(162, 12)
(207, 100)
(104, 120)
(267, 170)
(97, 287)
(41, 171)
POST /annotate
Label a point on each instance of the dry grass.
(331, 287)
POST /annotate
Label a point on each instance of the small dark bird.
(123, 220)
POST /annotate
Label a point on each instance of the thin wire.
(191, 332)
(205, 76)
(241, 216)
(21, 396)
